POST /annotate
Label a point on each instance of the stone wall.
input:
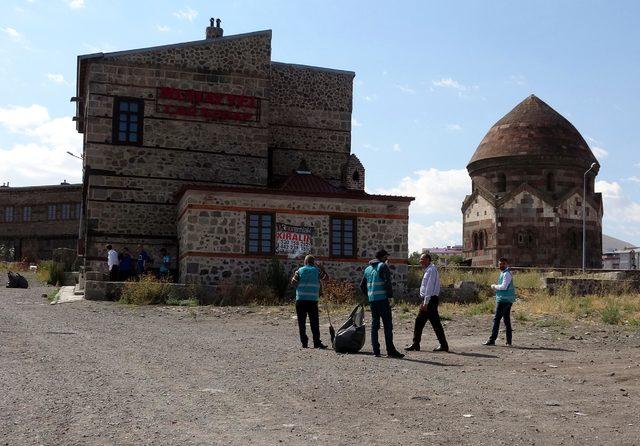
(35, 237)
(131, 188)
(301, 112)
(212, 225)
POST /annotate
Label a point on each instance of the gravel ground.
(100, 373)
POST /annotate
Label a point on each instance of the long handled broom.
(332, 331)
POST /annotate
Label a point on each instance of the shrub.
(151, 291)
(612, 314)
(276, 278)
(338, 292)
(486, 307)
(51, 272)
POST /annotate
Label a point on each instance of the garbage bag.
(351, 336)
(16, 280)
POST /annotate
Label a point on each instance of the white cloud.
(621, 214)
(186, 14)
(406, 89)
(56, 78)
(371, 147)
(20, 119)
(355, 122)
(75, 4)
(596, 148)
(45, 140)
(599, 152)
(437, 234)
(12, 33)
(518, 79)
(396, 148)
(453, 84)
(634, 179)
(163, 28)
(370, 98)
(436, 191)
(454, 127)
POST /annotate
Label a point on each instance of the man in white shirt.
(112, 263)
(429, 292)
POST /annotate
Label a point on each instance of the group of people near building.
(376, 284)
(122, 266)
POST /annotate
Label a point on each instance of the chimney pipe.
(213, 30)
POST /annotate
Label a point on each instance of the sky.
(431, 79)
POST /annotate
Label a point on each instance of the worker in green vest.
(376, 285)
(505, 297)
(306, 280)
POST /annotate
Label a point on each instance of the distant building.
(35, 220)
(621, 259)
(526, 202)
(444, 254)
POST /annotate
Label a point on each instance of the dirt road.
(93, 373)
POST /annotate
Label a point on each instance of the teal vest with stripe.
(376, 289)
(508, 295)
(309, 283)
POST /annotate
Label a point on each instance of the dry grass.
(482, 276)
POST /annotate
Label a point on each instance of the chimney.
(214, 30)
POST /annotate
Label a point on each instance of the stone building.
(526, 202)
(228, 159)
(35, 220)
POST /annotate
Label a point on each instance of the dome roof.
(534, 128)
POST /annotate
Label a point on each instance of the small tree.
(414, 258)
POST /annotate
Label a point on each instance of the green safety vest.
(376, 289)
(309, 283)
(508, 295)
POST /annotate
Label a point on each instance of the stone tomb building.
(526, 202)
(227, 159)
(35, 220)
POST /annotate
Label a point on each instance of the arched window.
(356, 176)
(501, 184)
(551, 182)
(480, 240)
(475, 241)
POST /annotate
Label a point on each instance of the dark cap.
(381, 253)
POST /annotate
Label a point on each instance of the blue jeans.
(503, 311)
(380, 309)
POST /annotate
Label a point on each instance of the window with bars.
(343, 237)
(78, 210)
(260, 233)
(127, 121)
(66, 212)
(51, 212)
(8, 214)
(26, 213)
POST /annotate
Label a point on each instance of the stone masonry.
(527, 198)
(218, 113)
(35, 220)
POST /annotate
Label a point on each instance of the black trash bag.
(351, 336)
(16, 280)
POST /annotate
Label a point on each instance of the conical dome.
(534, 128)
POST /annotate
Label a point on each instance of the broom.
(332, 331)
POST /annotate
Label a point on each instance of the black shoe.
(320, 345)
(395, 354)
(413, 348)
(377, 355)
(305, 346)
(508, 344)
(489, 342)
(441, 349)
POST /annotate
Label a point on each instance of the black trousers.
(380, 309)
(430, 314)
(304, 308)
(114, 273)
(503, 311)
